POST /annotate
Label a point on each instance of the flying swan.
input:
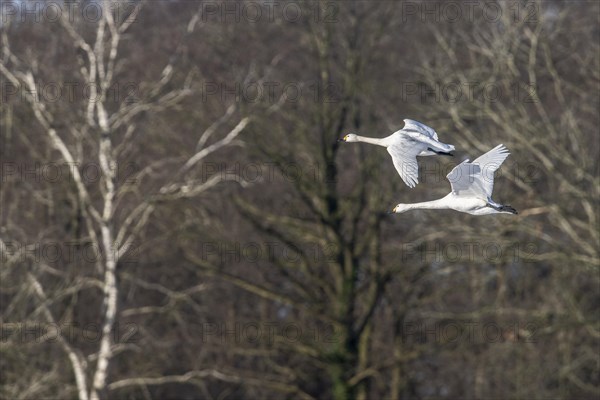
(472, 185)
(414, 139)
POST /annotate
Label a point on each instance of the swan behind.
(414, 139)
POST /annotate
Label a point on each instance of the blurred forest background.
(178, 220)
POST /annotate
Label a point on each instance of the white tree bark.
(78, 364)
(102, 226)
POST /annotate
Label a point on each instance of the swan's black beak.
(341, 140)
(390, 212)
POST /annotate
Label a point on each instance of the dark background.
(258, 262)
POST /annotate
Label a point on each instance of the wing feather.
(411, 124)
(422, 133)
(477, 178)
(404, 155)
(493, 159)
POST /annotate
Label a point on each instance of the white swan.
(414, 139)
(472, 185)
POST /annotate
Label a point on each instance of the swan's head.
(351, 137)
(400, 208)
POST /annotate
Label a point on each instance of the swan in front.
(472, 184)
(414, 139)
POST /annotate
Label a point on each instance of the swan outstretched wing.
(464, 180)
(411, 124)
(489, 163)
(424, 134)
(493, 159)
(404, 155)
(477, 177)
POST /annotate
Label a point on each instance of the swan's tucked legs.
(441, 153)
(502, 208)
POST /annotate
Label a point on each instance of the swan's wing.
(477, 178)
(423, 133)
(464, 180)
(425, 139)
(411, 124)
(489, 163)
(404, 155)
(493, 158)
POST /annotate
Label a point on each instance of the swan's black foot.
(509, 209)
(503, 208)
(441, 153)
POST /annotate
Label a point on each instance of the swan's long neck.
(377, 141)
(429, 205)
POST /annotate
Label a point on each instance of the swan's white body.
(414, 139)
(472, 185)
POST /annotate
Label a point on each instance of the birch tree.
(114, 210)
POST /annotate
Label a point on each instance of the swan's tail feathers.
(446, 148)
(508, 209)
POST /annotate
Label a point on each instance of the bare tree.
(297, 285)
(111, 224)
(511, 85)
